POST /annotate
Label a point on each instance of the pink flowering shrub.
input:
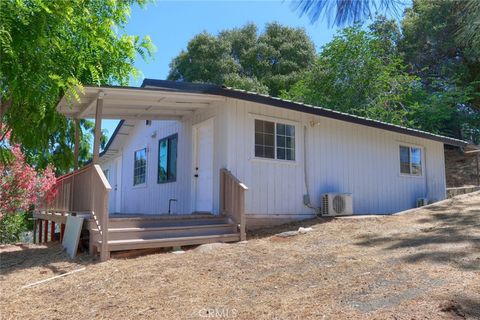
(21, 185)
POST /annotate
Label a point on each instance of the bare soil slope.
(421, 265)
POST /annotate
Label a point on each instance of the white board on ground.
(71, 237)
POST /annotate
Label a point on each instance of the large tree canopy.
(267, 63)
(419, 76)
(47, 49)
(360, 72)
(441, 46)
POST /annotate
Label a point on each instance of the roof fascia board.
(277, 102)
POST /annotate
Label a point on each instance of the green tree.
(48, 48)
(468, 34)
(266, 63)
(441, 47)
(359, 72)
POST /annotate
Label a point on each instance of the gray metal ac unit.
(337, 204)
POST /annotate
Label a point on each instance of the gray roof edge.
(166, 85)
(296, 106)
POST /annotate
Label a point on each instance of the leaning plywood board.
(71, 237)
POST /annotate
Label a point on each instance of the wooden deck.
(156, 231)
(117, 232)
(129, 232)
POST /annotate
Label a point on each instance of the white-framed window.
(140, 167)
(274, 140)
(410, 160)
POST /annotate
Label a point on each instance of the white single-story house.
(281, 150)
(195, 163)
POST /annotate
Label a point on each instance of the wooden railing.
(232, 199)
(84, 191)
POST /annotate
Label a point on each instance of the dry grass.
(422, 265)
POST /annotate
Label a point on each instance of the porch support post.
(45, 231)
(478, 168)
(40, 240)
(98, 128)
(52, 231)
(35, 223)
(77, 143)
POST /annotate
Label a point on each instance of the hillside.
(420, 265)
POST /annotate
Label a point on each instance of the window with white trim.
(274, 140)
(410, 160)
(139, 167)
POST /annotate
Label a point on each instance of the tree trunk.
(4, 106)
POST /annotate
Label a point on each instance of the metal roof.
(211, 89)
(150, 86)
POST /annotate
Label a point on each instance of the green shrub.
(13, 225)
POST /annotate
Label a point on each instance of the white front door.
(118, 185)
(203, 166)
(110, 175)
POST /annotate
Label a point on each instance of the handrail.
(84, 190)
(74, 173)
(232, 199)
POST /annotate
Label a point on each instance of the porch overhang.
(130, 103)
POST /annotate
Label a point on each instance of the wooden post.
(98, 128)
(40, 231)
(45, 231)
(62, 231)
(52, 231)
(222, 192)
(35, 230)
(478, 169)
(241, 211)
(77, 143)
(104, 253)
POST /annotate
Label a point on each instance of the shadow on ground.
(51, 256)
(461, 308)
(270, 231)
(446, 234)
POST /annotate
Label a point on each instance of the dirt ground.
(421, 265)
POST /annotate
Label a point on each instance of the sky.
(171, 24)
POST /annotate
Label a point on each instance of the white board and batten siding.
(339, 157)
(153, 197)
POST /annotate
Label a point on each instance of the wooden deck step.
(206, 226)
(168, 232)
(159, 222)
(163, 216)
(132, 244)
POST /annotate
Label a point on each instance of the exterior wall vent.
(422, 202)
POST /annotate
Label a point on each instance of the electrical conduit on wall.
(306, 199)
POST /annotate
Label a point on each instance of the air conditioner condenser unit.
(337, 204)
